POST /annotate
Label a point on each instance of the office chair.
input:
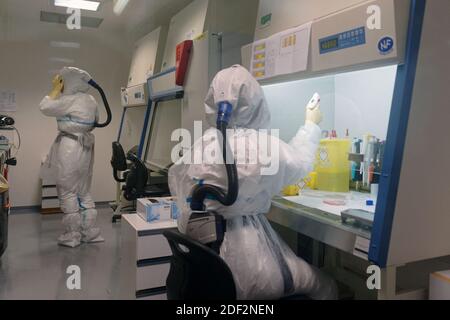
(136, 182)
(131, 171)
(197, 272)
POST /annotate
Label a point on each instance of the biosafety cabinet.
(218, 29)
(146, 61)
(381, 68)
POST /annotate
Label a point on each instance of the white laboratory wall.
(26, 68)
(363, 101)
(185, 25)
(287, 103)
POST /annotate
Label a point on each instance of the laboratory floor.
(35, 267)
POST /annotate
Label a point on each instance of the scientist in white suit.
(263, 266)
(71, 158)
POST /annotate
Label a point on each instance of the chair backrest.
(118, 161)
(197, 272)
(136, 180)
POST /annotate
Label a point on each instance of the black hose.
(200, 192)
(105, 102)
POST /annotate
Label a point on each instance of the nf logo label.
(386, 45)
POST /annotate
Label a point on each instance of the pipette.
(314, 103)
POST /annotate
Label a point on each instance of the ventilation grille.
(52, 17)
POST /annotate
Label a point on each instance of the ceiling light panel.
(119, 6)
(78, 4)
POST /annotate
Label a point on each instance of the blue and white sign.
(343, 40)
(386, 45)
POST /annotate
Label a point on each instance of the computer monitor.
(166, 118)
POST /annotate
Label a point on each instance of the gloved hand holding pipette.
(313, 113)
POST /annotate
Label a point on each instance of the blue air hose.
(201, 192)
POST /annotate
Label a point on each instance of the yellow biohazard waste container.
(333, 166)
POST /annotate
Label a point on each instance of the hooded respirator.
(77, 80)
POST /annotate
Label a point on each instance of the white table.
(145, 258)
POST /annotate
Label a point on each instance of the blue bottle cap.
(369, 203)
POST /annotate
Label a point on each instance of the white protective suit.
(71, 158)
(263, 266)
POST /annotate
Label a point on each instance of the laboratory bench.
(341, 249)
(324, 240)
(310, 216)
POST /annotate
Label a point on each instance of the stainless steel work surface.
(316, 224)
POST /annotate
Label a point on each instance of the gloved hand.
(58, 86)
(313, 113)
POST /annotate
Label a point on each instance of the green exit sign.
(266, 20)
